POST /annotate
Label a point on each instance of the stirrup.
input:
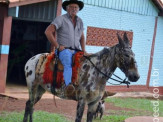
(53, 90)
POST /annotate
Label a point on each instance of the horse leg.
(91, 111)
(27, 109)
(30, 103)
(38, 94)
(35, 94)
(80, 110)
(101, 113)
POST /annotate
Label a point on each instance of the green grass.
(136, 104)
(38, 116)
(137, 107)
(129, 113)
(112, 118)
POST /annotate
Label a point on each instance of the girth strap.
(55, 71)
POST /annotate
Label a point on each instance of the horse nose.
(136, 77)
(133, 77)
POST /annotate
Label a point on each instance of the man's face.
(73, 9)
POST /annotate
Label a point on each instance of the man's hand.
(61, 47)
(87, 54)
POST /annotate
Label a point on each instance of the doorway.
(27, 40)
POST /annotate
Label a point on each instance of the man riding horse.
(93, 74)
(66, 34)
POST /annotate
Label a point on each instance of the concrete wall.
(157, 73)
(143, 7)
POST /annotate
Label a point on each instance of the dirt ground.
(15, 97)
(65, 107)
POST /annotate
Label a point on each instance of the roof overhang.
(159, 4)
(14, 3)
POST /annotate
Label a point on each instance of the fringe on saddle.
(46, 67)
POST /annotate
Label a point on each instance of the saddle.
(46, 65)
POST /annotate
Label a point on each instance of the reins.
(121, 81)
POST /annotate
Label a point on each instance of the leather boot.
(69, 90)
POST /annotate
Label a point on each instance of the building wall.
(157, 73)
(5, 31)
(5, 25)
(142, 27)
(143, 7)
(140, 20)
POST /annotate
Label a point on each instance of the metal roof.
(14, 3)
(44, 11)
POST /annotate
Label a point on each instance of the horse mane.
(105, 50)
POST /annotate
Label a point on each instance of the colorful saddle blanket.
(48, 67)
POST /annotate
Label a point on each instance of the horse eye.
(127, 55)
(135, 64)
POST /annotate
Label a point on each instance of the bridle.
(119, 80)
(124, 66)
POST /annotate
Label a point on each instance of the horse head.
(125, 59)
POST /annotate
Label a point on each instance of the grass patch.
(38, 116)
(112, 118)
(136, 104)
(141, 107)
(129, 113)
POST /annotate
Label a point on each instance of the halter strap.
(121, 81)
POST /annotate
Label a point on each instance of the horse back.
(32, 65)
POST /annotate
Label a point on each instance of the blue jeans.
(66, 58)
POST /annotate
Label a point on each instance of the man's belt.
(72, 48)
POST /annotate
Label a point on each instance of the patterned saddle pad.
(46, 68)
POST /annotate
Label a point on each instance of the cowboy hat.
(67, 2)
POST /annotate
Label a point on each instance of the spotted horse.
(92, 83)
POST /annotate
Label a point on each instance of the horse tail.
(107, 93)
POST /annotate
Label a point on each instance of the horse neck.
(107, 62)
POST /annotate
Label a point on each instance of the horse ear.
(125, 38)
(121, 42)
